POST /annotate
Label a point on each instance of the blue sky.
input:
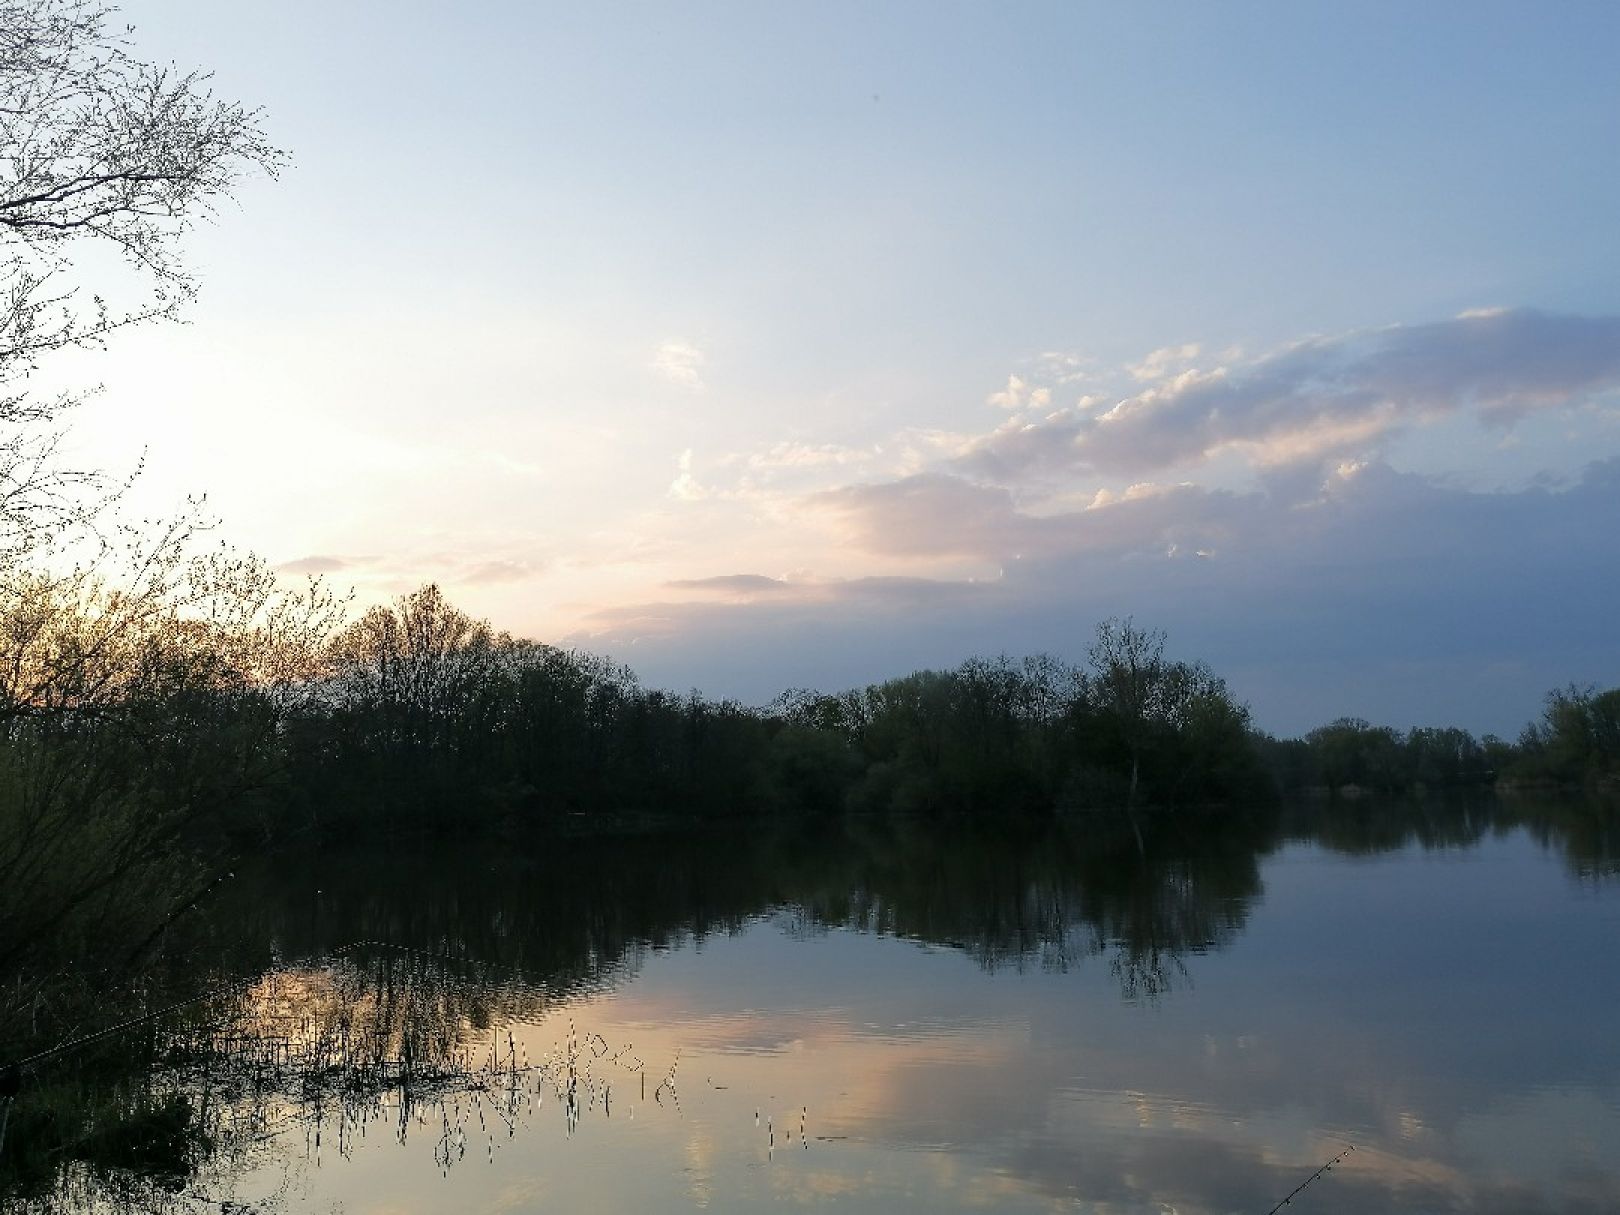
(766, 345)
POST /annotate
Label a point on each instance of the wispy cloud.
(476, 563)
(935, 515)
(486, 573)
(1065, 367)
(790, 454)
(318, 564)
(680, 363)
(731, 584)
(1164, 360)
(735, 596)
(872, 588)
(686, 487)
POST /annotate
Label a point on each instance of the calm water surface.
(898, 1019)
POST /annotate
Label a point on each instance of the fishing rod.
(1296, 1190)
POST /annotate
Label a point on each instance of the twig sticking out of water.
(669, 1083)
(1296, 1190)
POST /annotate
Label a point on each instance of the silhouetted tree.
(1127, 686)
(96, 150)
(139, 718)
(1577, 740)
(143, 677)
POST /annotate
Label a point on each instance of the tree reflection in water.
(382, 1035)
(375, 1038)
(409, 1031)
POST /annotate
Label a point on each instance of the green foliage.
(1002, 738)
(1171, 730)
(808, 770)
(1576, 743)
(1351, 751)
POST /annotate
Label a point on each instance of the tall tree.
(139, 676)
(1127, 666)
(97, 149)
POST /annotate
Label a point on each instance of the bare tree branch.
(96, 149)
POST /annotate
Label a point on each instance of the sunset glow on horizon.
(772, 346)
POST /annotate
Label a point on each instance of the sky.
(775, 345)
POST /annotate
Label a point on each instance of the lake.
(905, 1017)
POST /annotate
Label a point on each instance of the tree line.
(168, 705)
(152, 731)
(1574, 746)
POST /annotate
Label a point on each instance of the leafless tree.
(105, 162)
(141, 674)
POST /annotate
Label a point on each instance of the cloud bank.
(1334, 581)
(1322, 398)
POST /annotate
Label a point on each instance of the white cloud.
(1010, 397)
(790, 454)
(1019, 394)
(498, 571)
(1062, 367)
(686, 487)
(1161, 361)
(1319, 399)
(317, 563)
(1066, 515)
(680, 363)
(732, 585)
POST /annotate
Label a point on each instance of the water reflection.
(584, 916)
(730, 1020)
